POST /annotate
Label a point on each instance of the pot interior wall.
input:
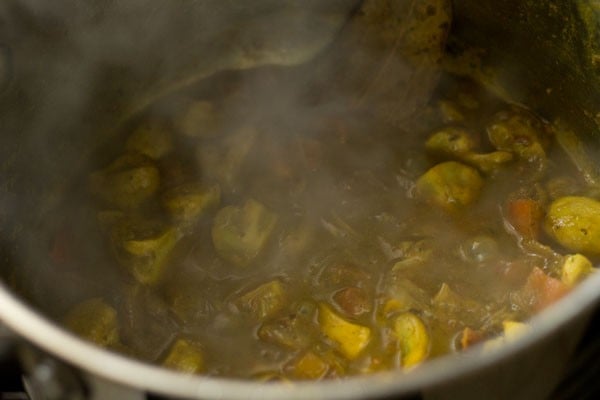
(536, 53)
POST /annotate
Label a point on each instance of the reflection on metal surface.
(49, 379)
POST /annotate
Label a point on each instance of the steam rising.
(83, 68)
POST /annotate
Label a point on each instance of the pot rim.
(132, 373)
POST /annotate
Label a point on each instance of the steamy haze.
(303, 72)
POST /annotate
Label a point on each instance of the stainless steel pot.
(59, 101)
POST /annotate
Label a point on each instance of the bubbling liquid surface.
(263, 244)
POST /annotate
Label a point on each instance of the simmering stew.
(304, 237)
(259, 246)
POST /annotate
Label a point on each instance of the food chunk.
(143, 247)
(575, 268)
(310, 366)
(352, 301)
(188, 202)
(488, 163)
(450, 111)
(521, 133)
(264, 301)
(185, 356)
(458, 144)
(413, 339)
(525, 215)
(95, 321)
(403, 295)
(514, 330)
(294, 330)
(470, 337)
(574, 222)
(152, 138)
(541, 290)
(127, 182)
(199, 119)
(240, 233)
(450, 142)
(188, 300)
(342, 274)
(450, 186)
(350, 338)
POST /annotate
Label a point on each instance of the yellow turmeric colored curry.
(295, 241)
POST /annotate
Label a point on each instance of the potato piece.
(488, 163)
(350, 338)
(148, 269)
(450, 112)
(458, 144)
(95, 321)
(127, 182)
(189, 301)
(199, 119)
(146, 242)
(186, 203)
(310, 366)
(151, 138)
(185, 356)
(450, 186)
(574, 222)
(143, 247)
(264, 301)
(450, 142)
(240, 233)
(575, 268)
(514, 330)
(413, 339)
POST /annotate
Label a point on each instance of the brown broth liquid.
(352, 233)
